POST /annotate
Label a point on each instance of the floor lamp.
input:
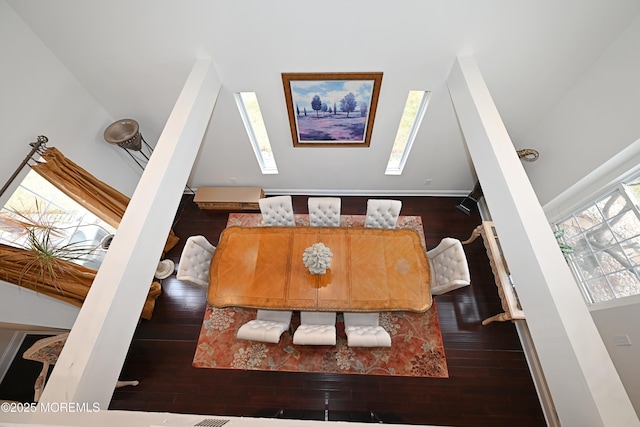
(470, 202)
(125, 133)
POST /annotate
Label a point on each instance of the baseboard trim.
(537, 374)
(375, 193)
(355, 193)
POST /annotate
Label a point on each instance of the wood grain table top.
(371, 270)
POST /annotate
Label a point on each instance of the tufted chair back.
(195, 261)
(449, 268)
(382, 213)
(277, 211)
(324, 211)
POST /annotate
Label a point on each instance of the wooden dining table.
(371, 270)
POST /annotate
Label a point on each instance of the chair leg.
(38, 387)
(126, 383)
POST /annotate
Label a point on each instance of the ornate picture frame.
(331, 109)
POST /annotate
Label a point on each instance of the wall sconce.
(125, 133)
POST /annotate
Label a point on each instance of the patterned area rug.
(416, 341)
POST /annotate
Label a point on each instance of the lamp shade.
(125, 133)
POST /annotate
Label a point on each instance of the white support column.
(584, 384)
(92, 358)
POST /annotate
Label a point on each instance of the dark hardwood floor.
(489, 382)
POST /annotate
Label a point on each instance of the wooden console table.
(228, 198)
(506, 290)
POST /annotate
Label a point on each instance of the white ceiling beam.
(582, 379)
(92, 358)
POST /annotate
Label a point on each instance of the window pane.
(599, 290)
(414, 109)
(570, 228)
(600, 236)
(588, 266)
(634, 187)
(74, 230)
(612, 205)
(624, 283)
(612, 260)
(589, 218)
(631, 249)
(625, 226)
(257, 131)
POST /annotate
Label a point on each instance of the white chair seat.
(382, 213)
(316, 328)
(362, 330)
(367, 336)
(267, 327)
(449, 267)
(315, 335)
(262, 330)
(277, 211)
(195, 261)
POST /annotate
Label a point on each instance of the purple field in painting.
(334, 128)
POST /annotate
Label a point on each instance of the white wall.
(40, 97)
(26, 308)
(623, 321)
(437, 153)
(588, 140)
(595, 121)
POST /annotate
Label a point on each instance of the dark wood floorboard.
(489, 382)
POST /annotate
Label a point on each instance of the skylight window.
(252, 118)
(412, 115)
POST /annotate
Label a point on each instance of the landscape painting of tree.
(331, 109)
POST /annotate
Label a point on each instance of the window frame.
(255, 144)
(92, 256)
(621, 186)
(413, 132)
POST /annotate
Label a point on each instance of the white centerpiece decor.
(317, 258)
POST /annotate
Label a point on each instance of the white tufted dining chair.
(316, 328)
(382, 213)
(195, 261)
(363, 330)
(277, 211)
(324, 211)
(449, 267)
(266, 327)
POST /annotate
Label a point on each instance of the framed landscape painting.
(331, 109)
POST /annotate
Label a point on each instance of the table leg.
(502, 317)
(474, 235)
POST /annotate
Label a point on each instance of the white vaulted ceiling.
(133, 56)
